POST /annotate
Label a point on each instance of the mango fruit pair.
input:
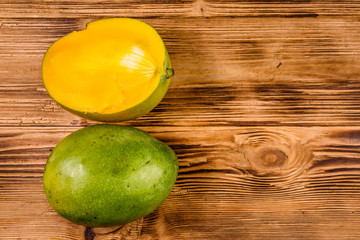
(103, 175)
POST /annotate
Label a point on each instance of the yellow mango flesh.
(112, 65)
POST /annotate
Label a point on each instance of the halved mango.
(115, 70)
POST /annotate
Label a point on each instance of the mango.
(116, 69)
(107, 175)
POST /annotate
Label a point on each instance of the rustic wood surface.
(263, 113)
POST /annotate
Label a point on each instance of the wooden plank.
(234, 182)
(62, 9)
(228, 72)
(263, 114)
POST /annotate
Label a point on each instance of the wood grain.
(234, 182)
(227, 72)
(262, 112)
(177, 9)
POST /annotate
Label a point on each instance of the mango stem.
(169, 72)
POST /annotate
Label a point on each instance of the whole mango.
(106, 175)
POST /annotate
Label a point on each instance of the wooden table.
(263, 113)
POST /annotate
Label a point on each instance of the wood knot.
(200, 9)
(274, 152)
(269, 158)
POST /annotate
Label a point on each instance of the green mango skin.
(107, 175)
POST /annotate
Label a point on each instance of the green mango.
(107, 175)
